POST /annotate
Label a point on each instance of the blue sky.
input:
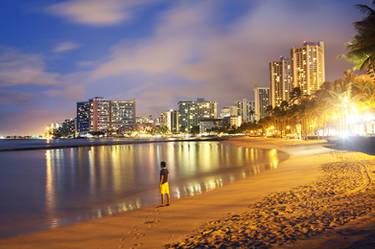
(56, 53)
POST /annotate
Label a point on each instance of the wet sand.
(154, 227)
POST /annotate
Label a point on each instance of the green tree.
(363, 91)
(195, 130)
(295, 95)
(362, 47)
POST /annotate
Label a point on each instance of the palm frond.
(365, 9)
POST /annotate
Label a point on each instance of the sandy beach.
(318, 198)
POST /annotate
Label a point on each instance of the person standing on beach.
(164, 186)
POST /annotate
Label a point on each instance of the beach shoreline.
(153, 227)
(98, 142)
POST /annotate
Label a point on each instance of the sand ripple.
(344, 192)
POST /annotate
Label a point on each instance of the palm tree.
(276, 118)
(284, 117)
(364, 91)
(334, 99)
(295, 95)
(362, 47)
(322, 101)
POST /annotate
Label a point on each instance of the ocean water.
(41, 189)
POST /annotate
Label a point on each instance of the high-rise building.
(145, 120)
(252, 111)
(65, 129)
(99, 114)
(170, 120)
(192, 112)
(123, 114)
(245, 110)
(164, 119)
(84, 116)
(68, 127)
(280, 81)
(232, 121)
(228, 111)
(261, 102)
(307, 66)
(210, 124)
(175, 121)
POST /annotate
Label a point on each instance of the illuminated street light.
(353, 108)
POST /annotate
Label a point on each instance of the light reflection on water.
(91, 182)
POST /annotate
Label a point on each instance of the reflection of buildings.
(307, 66)
(170, 120)
(100, 174)
(280, 80)
(192, 112)
(261, 102)
(50, 187)
(98, 114)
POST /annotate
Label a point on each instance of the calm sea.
(41, 189)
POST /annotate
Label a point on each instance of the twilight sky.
(58, 52)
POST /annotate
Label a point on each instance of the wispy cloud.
(180, 32)
(30, 96)
(97, 12)
(66, 46)
(18, 68)
(225, 63)
(189, 53)
(10, 98)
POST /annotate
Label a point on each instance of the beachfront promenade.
(314, 199)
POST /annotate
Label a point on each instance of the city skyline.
(154, 52)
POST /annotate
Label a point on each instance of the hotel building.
(261, 102)
(99, 114)
(307, 66)
(280, 81)
(170, 120)
(245, 110)
(229, 111)
(192, 112)
(84, 117)
(122, 115)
